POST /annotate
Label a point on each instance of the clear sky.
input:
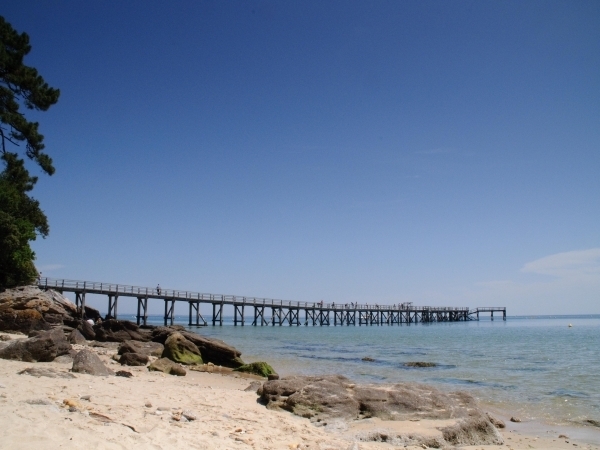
(440, 152)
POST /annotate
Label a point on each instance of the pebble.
(2, 386)
(189, 415)
(148, 405)
(71, 403)
(163, 408)
(515, 419)
(86, 397)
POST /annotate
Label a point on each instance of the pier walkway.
(265, 311)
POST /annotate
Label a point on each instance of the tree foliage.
(21, 218)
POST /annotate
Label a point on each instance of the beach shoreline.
(138, 412)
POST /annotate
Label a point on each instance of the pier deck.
(265, 311)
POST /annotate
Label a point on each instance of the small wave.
(467, 382)
(568, 393)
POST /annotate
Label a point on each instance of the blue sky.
(445, 153)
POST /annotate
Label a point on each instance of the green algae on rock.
(257, 368)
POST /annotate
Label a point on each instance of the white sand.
(116, 415)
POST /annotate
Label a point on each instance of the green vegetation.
(21, 219)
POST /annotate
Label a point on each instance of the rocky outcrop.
(143, 348)
(257, 368)
(167, 366)
(88, 362)
(44, 347)
(335, 397)
(211, 350)
(28, 308)
(180, 350)
(113, 330)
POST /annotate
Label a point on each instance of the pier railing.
(95, 287)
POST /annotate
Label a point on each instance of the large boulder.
(142, 348)
(180, 350)
(86, 361)
(114, 330)
(44, 347)
(28, 308)
(167, 366)
(324, 397)
(212, 350)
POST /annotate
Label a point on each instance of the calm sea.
(537, 368)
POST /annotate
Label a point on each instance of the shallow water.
(536, 368)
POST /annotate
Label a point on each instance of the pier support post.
(238, 310)
(217, 314)
(195, 308)
(112, 306)
(80, 303)
(142, 310)
(169, 312)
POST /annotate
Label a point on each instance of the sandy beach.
(149, 410)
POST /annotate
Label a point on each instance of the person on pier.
(158, 289)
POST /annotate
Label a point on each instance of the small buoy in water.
(570, 325)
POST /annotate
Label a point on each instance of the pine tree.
(21, 219)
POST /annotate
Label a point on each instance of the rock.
(46, 372)
(273, 376)
(133, 359)
(254, 386)
(329, 398)
(189, 415)
(563, 436)
(181, 350)
(334, 396)
(119, 331)
(124, 373)
(212, 350)
(148, 405)
(368, 359)
(87, 330)
(420, 364)
(473, 431)
(515, 419)
(167, 366)
(42, 348)
(257, 368)
(77, 338)
(88, 362)
(5, 337)
(28, 308)
(595, 423)
(496, 422)
(143, 348)
(64, 359)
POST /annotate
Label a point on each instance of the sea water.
(536, 368)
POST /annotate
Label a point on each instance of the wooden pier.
(265, 311)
